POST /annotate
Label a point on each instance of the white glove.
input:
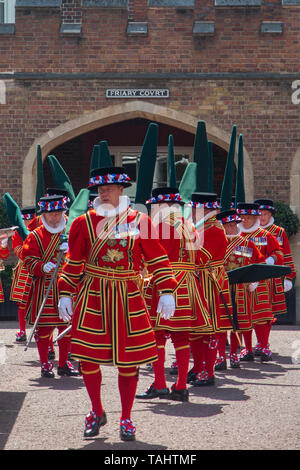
(252, 286)
(48, 267)
(166, 306)
(270, 260)
(64, 247)
(287, 285)
(4, 242)
(65, 309)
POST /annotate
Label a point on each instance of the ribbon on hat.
(110, 178)
(28, 216)
(49, 206)
(165, 198)
(248, 211)
(231, 218)
(205, 205)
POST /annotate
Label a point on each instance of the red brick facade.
(236, 75)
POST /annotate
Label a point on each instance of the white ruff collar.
(206, 217)
(271, 222)
(251, 229)
(107, 210)
(57, 229)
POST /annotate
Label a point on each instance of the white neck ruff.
(57, 229)
(251, 229)
(107, 210)
(206, 217)
(271, 222)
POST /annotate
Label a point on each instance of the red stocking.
(127, 380)
(21, 317)
(42, 337)
(211, 354)
(198, 353)
(159, 365)
(247, 335)
(262, 332)
(92, 378)
(234, 343)
(222, 337)
(182, 349)
(64, 346)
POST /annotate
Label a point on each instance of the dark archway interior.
(75, 155)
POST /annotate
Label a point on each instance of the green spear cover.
(62, 181)
(201, 157)
(147, 165)
(105, 160)
(15, 216)
(78, 207)
(227, 186)
(95, 160)
(40, 186)
(240, 187)
(188, 183)
(172, 183)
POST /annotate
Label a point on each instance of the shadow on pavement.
(10, 405)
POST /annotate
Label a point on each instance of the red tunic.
(262, 309)
(111, 324)
(216, 281)
(40, 247)
(4, 253)
(241, 252)
(21, 280)
(278, 297)
(182, 244)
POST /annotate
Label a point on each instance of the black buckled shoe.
(47, 370)
(21, 337)
(202, 379)
(266, 355)
(127, 430)
(152, 392)
(68, 370)
(246, 356)
(93, 424)
(221, 364)
(179, 395)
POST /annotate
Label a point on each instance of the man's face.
(110, 194)
(265, 217)
(53, 219)
(248, 220)
(231, 228)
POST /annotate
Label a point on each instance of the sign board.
(137, 93)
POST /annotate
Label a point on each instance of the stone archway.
(295, 206)
(117, 113)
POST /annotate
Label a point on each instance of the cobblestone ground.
(254, 407)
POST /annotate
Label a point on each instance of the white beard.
(103, 211)
(57, 229)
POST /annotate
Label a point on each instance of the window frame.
(9, 11)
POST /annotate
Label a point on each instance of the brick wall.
(200, 72)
